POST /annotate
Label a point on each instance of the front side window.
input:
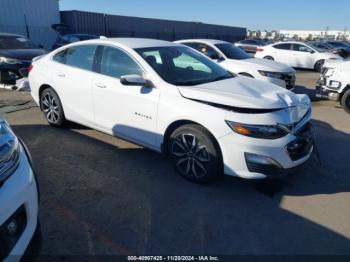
(81, 56)
(232, 52)
(301, 48)
(180, 65)
(116, 63)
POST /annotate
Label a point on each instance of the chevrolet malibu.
(239, 62)
(174, 100)
(18, 196)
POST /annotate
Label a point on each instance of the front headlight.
(258, 131)
(271, 74)
(9, 151)
(9, 60)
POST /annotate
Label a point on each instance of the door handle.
(61, 74)
(100, 85)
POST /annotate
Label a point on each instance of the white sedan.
(18, 196)
(174, 100)
(296, 54)
(239, 62)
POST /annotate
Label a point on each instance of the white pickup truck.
(334, 83)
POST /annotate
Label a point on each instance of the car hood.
(263, 64)
(338, 64)
(22, 54)
(242, 93)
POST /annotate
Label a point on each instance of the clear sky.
(253, 14)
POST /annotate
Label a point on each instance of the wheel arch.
(41, 90)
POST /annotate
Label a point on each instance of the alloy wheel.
(50, 107)
(191, 156)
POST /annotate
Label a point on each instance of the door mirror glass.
(135, 80)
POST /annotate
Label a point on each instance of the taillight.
(30, 68)
(259, 49)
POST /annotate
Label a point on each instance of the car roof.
(211, 41)
(8, 34)
(133, 42)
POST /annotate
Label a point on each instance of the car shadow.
(103, 196)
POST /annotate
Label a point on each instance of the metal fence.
(125, 26)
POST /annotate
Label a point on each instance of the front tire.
(319, 65)
(195, 153)
(52, 108)
(345, 101)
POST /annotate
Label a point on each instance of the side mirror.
(312, 52)
(41, 46)
(135, 80)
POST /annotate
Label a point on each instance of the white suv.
(334, 83)
(18, 196)
(172, 99)
(296, 54)
(237, 61)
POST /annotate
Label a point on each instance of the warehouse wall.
(125, 26)
(39, 15)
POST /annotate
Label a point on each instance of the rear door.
(72, 79)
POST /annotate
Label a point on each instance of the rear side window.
(301, 48)
(60, 57)
(81, 56)
(116, 63)
(283, 46)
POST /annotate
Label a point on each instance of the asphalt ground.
(103, 196)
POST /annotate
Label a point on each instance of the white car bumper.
(19, 201)
(280, 152)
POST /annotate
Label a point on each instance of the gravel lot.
(101, 195)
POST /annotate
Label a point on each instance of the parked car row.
(239, 62)
(206, 104)
(297, 54)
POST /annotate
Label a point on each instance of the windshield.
(182, 66)
(16, 42)
(232, 52)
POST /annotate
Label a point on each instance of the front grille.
(301, 146)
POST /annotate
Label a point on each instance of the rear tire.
(195, 153)
(318, 65)
(52, 108)
(345, 101)
(269, 58)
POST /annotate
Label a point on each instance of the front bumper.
(19, 199)
(325, 92)
(286, 153)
